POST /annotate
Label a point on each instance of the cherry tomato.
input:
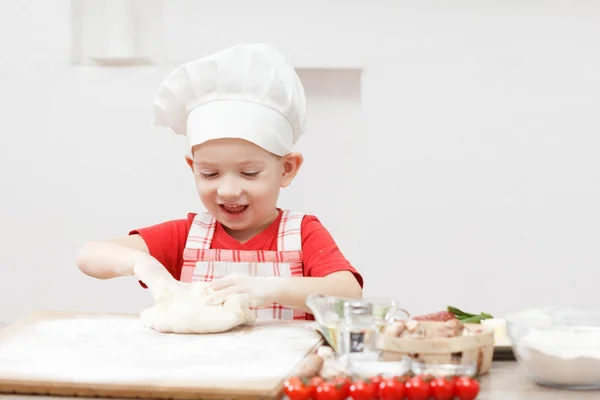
(417, 388)
(292, 380)
(316, 381)
(362, 390)
(466, 388)
(343, 383)
(376, 382)
(296, 389)
(328, 391)
(313, 383)
(392, 389)
(442, 389)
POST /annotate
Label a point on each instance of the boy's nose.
(228, 189)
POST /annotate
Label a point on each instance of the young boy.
(242, 110)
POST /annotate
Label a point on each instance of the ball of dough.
(186, 308)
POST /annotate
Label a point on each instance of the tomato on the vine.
(313, 383)
(362, 390)
(466, 388)
(296, 389)
(392, 389)
(328, 390)
(376, 382)
(344, 383)
(442, 389)
(316, 381)
(417, 388)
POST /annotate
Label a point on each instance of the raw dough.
(187, 308)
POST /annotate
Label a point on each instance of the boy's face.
(239, 182)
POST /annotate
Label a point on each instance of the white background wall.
(452, 148)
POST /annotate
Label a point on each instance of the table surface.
(505, 381)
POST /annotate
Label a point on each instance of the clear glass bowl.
(387, 369)
(557, 346)
(441, 370)
(329, 311)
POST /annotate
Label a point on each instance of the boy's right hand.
(149, 270)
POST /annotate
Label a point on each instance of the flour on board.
(120, 350)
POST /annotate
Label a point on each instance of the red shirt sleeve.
(166, 242)
(321, 255)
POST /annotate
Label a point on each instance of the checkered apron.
(201, 263)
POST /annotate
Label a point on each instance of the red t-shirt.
(320, 254)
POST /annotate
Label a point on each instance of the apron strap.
(201, 232)
(289, 237)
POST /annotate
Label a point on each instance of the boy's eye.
(250, 173)
(208, 175)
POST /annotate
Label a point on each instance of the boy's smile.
(234, 209)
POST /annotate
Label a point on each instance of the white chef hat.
(248, 91)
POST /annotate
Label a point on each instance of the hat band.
(238, 119)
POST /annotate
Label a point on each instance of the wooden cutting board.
(89, 354)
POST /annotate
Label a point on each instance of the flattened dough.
(185, 308)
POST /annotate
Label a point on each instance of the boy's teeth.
(233, 207)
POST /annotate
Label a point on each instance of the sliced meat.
(443, 329)
(438, 316)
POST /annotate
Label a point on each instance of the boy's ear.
(189, 161)
(291, 165)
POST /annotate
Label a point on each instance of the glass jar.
(358, 333)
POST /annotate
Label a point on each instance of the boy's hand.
(160, 281)
(261, 291)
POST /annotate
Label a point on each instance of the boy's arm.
(287, 291)
(159, 248)
(119, 257)
(111, 258)
(292, 292)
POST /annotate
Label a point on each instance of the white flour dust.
(121, 350)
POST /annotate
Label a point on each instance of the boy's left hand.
(260, 290)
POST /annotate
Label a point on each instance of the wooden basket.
(476, 347)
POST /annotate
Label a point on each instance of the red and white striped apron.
(201, 263)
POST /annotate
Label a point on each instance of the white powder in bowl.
(566, 357)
